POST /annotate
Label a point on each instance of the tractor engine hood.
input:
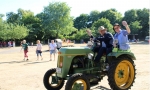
(75, 50)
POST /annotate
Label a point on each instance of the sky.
(77, 6)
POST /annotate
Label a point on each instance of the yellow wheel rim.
(79, 84)
(54, 85)
(124, 74)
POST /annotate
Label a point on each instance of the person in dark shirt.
(25, 47)
(106, 42)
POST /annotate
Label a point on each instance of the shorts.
(38, 52)
(52, 51)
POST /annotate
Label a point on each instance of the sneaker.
(27, 59)
(50, 60)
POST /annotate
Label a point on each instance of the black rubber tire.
(111, 74)
(46, 80)
(74, 78)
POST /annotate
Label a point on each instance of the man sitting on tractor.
(106, 42)
(122, 35)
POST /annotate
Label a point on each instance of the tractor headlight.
(60, 61)
(90, 55)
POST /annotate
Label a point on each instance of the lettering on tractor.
(76, 66)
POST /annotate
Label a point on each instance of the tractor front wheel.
(48, 82)
(77, 82)
(121, 74)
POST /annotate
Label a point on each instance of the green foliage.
(27, 19)
(94, 16)
(139, 17)
(86, 21)
(1, 15)
(55, 22)
(1, 24)
(103, 22)
(11, 31)
(112, 15)
(130, 16)
(17, 31)
(143, 18)
(81, 34)
(135, 27)
(81, 21)
(12, 17)
(57, 17)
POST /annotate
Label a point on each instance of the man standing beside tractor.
(106, 43)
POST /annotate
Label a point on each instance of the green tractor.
(75, 64)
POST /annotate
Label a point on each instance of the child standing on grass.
(25, 47)
(39, 50)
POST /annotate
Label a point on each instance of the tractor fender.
(117, 54)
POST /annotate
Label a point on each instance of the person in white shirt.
(52, 49)
(39, 50)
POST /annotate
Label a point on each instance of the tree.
(112, 15)
(3, 33)
(12, 17)
(1, 23)
(81, 34)
(1, 15)
(17, 31)
(135, 27)
(81, 21)
(130, 16)
(103, 22)
(11, 31)
(57, 19)
(94, 15)
(33, 23)
(143, 18)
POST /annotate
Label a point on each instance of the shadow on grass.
(100, 88)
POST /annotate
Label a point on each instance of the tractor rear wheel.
(47, 80)
(121, 74)
(77, 82)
